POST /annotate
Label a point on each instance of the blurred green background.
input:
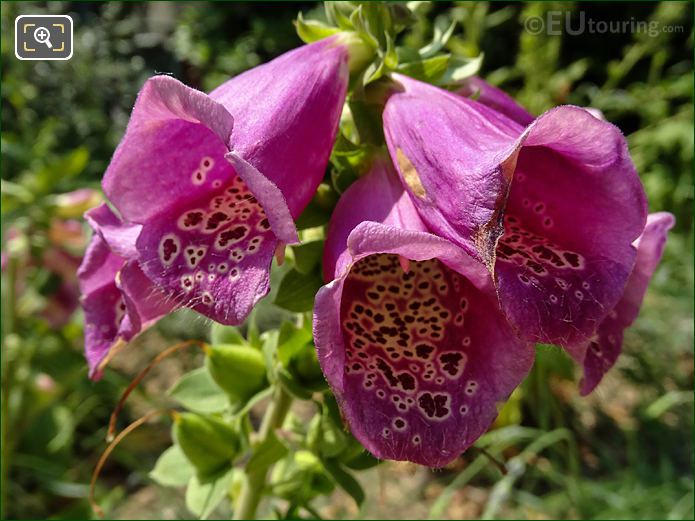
(623, 452)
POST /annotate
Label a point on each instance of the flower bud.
(325, 436)
(208, 443)
(300, 478)
(239, 370)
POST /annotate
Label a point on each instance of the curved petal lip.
(270, 197)
(369, 238)
(132, 181)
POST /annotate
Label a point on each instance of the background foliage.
(623, 452)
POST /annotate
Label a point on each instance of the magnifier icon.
(43, 35)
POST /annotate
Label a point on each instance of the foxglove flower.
(601, 352)
(119, 301)
(551, 209)
(216, 180)
(408, 332)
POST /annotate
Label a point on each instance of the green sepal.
(239, 370)
(325, 436)
(310, 31)
(300, 477)
(208, 443)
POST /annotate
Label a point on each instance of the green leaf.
(367, 119)
(390, 56)
(377, 18)
(300, 477)
(442, 32)
(358, 21)
(401, 16)
(307, 255)
(220, 334)
(333, 438)
(310, 31)
(306, 369)
(344, 147)
(267, 453)
(269, 349)
(345, 480)
(362, 461)
(202, 498)
(375, 71)
(172, 468)
(428, 69)
(338, 14)
(291, 341)
(198, 392)
(290, 383)
(330, 406)
(313, 215)
(297, 291)
(460, 68)
(342, 178)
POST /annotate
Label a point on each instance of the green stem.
(254, 479)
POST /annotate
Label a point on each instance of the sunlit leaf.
(172, 468)
(198, 392)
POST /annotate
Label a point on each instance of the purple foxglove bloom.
(495, 98)
(599, 355)
(408, 332)
(551, 209)
(215, 180)
(119, 301)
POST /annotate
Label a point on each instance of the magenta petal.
(410, 336)
(145, 302)
(119, 236)
(575, 206)
(358, 204)
(552, 209)
(602, 352)
(286, 115)
(102, 301)
(214, 204)
(118, 300)
(495, 98)
(158, 161)
(214, 255)
(269, 197)
(452, 156)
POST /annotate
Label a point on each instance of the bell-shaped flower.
(408, 331)
(215, 180)
(551, 209)
(119, 301)
(599, 354)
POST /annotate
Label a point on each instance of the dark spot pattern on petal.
(204, 245)
(408, 329)
(555, 284)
